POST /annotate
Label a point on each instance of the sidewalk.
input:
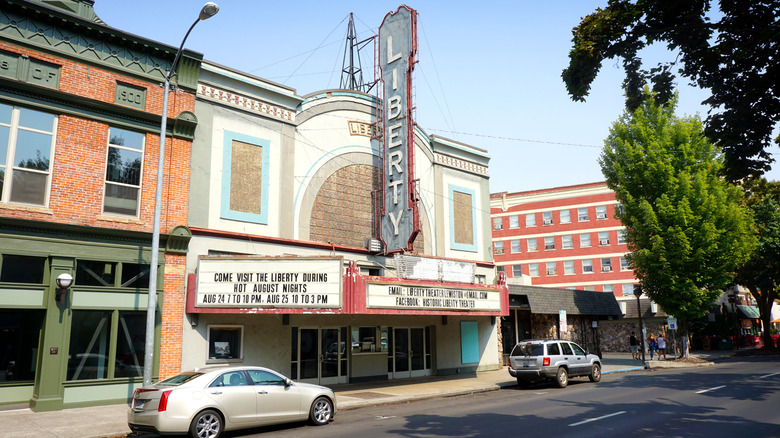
(111, 420)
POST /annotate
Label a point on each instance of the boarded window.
(246, 169)
(464, 225)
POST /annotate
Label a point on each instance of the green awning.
(749, 312)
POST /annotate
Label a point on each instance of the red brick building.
(80, 107)
(563, 237)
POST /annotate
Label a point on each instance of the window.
(514, 221)
(245, 176)
(606, 265)
(565, 217)
(568, 267)
(498, 223)
(621, 237)
(566, 242)
(230, 378)
(498, 248)
(582, 214)
(625, 264)
(566, 349)
(609, 288)
(266, 378)
(551, 268)
(547, 218)
(601, 212)
(364, 340)
(18, 342)
(225, 343)
(603, 238)
(517, 270)
(533, 269)
(123, 172)
(628, 289)
(515, 244)
(585, 240)
(500, 268)
(89, 354)
(549, 242)
(26, 143)
(532, 244)
(530, 220)
(22, 269)
(587, 266)
(106, 274)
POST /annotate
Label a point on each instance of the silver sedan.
(205, 402)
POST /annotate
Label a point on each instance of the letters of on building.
(397, 49)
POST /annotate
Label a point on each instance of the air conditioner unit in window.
(374, 245)
(601, 216)
(604, 242)
(606, 268)
(549, 246)
(548, 221)
(551, 272)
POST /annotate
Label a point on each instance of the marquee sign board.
(424, 297)
(397, 49)
(269, 282)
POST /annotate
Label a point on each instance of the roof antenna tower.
(352, 75)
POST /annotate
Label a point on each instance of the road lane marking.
(768, 375)
(597, 419)
(711, 389)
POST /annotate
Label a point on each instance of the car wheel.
(562, 378)
(595, 373)
(523, 383)
(321, 411)
(207, 424)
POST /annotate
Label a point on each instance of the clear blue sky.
(488, 72)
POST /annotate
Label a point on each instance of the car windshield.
(179, 379)
(528, 349)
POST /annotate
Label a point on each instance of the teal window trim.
(463, 246)
(469, 342)
(226, 212)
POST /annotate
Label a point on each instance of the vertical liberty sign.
(397, 47)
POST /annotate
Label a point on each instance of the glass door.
(410, 353)
(322, 354)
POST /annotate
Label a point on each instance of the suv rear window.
(528, 350)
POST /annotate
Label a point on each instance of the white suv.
(552, 359)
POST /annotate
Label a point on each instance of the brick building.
(80, 107)
(563, 237)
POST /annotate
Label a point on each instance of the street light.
(733, 301)
(209, 10)
(638, 293)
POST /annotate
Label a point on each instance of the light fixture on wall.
(64, 281)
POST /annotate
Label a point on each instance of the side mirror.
(287, 381)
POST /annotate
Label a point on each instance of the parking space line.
(768, 375)
(710, 389)
(597, 419)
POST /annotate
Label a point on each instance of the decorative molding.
(461, 164)
(57, 32)
(246, 103)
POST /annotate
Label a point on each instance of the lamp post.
(733, 301)
(208, 11)
(638, 293)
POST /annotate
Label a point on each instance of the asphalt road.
(733, 398)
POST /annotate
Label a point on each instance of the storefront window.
(130, 344)
(95, 273)
(19, 332)
(135, 275)
(22, 269)
(225, 343)
(364, 339)
(89, 345)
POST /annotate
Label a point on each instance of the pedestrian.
(633, 346)
(651, 344)
(660, 341)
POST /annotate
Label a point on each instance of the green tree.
(686, 227)
(732, 51)
(761, 273)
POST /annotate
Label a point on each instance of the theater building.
(309, 259)
(80, 107)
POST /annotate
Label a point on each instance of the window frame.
(549, 243)
(625, 264)
(515, 246)
(533, 269)
(227, 154)
(589, 242)
(567, 238)
(568, 216)
(140, 185)
(547, 218)
(498, 247)
(10, 167)
(589, 264)
(580, 215)
(603, 237)
(209, 328)
(514, 221)
(530, 220)
(601, 212)
(568, 267)
(498, 223)
(517, 270)
(535, 246)
(551, 271)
